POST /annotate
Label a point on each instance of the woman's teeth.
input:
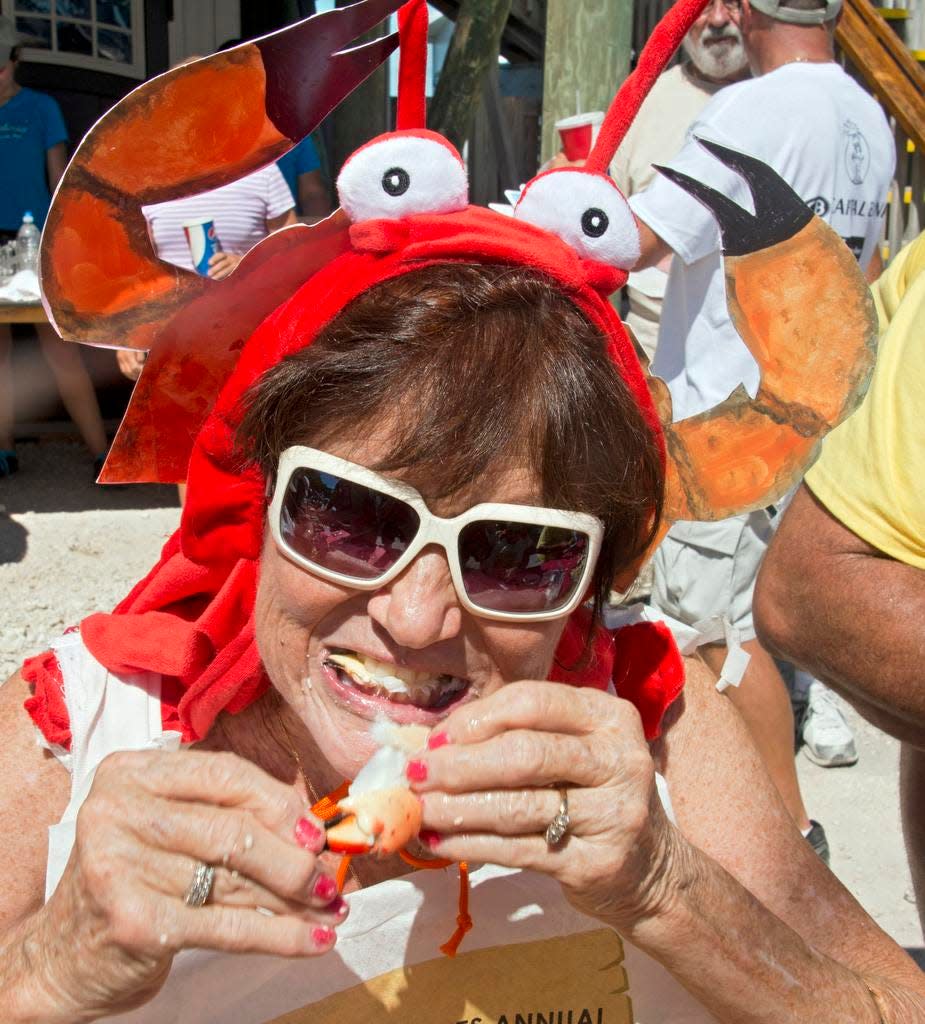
(395, 683)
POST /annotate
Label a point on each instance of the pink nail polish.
(430, 838)
(323, 936)
(325, 888)
(416, 771)
(308, 835)
(437, 740)
(337, 906)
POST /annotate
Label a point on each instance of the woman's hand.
(221, 264)
(118, 917)
(131, 362)
(490, 786)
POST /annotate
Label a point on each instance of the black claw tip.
(308, 71)
(779, 211)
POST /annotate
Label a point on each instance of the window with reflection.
(106, 35)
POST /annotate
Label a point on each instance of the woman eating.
(420, 479)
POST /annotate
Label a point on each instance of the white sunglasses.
(350, 525)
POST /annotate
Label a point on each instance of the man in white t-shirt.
(715, 57)
(806, 118)
(830, 141)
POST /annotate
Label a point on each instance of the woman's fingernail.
(429, 838)
(323, 936)
(416, 771)
(437, 740)
(325, 888)
(337, 906)
(308, 834)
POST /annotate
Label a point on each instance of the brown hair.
(477, 362)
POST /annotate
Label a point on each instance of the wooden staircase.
(895, 77)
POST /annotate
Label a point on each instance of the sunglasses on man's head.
(350, 525)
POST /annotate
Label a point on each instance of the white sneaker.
(827, 738)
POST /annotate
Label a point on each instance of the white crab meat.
(397, 683)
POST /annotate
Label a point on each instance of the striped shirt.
(240, 211)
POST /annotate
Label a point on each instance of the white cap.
(797, 15)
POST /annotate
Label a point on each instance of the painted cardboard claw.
(802, 307)
(194, 128)
(199, 344)
(779, 211)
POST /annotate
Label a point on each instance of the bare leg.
(912, 800)
(75, 387)
(6, 388)
(764, 704)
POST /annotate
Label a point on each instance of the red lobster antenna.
(665, 39)
(412, 66)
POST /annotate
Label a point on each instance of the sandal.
(9, 463)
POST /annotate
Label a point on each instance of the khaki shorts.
(707, 569)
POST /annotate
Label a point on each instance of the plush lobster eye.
(396, 181)
(585, 210)
(594, 222)
(402, 174)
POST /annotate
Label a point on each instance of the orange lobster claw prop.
(801, 305)
(194, 128)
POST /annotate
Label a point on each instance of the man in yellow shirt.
(842, 589)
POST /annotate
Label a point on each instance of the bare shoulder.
(34, 791)
(727, 806)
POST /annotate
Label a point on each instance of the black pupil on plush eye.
(396, 181)
(594, 222)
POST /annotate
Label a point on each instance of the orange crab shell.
(381, 821)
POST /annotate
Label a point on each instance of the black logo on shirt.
(846, 207)
(819, 205)
(857, 153)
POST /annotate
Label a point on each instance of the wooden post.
(473, 52)
(587, 57)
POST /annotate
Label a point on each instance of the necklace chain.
(805, 60)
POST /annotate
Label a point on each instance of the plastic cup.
(579, 133)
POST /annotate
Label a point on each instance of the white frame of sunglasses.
(433, 529)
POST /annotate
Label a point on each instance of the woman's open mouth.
(394, 683)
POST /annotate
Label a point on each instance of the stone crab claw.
(382, 814)
(380, 822)
(802, 307)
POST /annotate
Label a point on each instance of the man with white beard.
(715, 57)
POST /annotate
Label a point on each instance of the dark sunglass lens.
(521, 567)
(344, 526)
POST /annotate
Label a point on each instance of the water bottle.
(27, 243)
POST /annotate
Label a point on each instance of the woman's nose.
(419, 607)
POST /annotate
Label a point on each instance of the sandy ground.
(69, 547)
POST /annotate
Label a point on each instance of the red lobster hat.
(404, 206)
